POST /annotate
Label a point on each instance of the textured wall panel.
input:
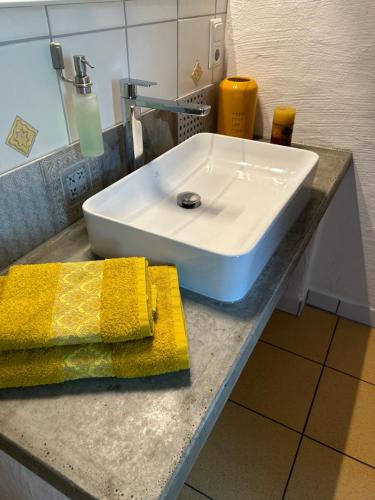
(320, 56)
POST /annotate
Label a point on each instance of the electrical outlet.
(76, 182)
(216, 42)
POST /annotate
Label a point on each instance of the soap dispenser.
(85, 102)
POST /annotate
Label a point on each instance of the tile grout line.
(349, 375)
(290, 352)
(299, 432)
(24, 40)
(338, 306)
(310, 409)
(263, 415)
(59, 83)
(198, 491)
(151, 23)
(178, 55)
(314, 361)
(338, 451)
(89, 32)
(126, 37)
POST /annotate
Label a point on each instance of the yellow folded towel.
(43, 305)
(166, 351)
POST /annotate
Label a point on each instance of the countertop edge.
(183, 468)
(172, 488)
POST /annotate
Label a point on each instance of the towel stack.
(111, 318)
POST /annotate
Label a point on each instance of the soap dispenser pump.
(85, 102)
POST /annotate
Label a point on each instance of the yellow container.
(237, 106)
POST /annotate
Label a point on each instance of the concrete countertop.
(137, 439)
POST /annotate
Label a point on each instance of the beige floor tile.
(278, 384)
(343, 415)
(353, 350)
(190, 494)
(324, 474)
(246, 457)
(308, 334)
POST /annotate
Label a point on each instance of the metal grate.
(189, 125)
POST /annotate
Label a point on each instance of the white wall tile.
(221, 6)
(74, 18)
(153, 56)
(193, 46)
(106, 50)
(34, 95)
(218, 72)
(189, 8)
(150, 11)
(17, 23)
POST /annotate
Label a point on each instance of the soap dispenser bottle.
(86, 111)
(85, 102)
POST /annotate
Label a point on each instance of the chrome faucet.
(131, 105)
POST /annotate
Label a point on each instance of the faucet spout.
(172, 106)
(131, 104)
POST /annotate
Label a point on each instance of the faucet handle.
(128, 86)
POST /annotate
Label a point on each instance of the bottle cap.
(284, 115)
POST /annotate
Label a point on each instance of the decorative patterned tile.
(76, 182)
(21, 136)
(189, 125)
(60, 170)
(40, 105)
(114, 164)
(43, 197)
(25, 212)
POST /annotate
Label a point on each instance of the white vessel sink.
(251, 192)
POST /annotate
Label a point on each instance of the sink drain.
(187, 199)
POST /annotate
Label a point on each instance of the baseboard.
(357, 312)
(291, 304)
(322, 301)
(344, 308)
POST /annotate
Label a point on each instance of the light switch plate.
(216, 42)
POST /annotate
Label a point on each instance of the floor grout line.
(338, 307)
(339, 451)
(198, 491)
(316, 362)
(310, 409)
(349, 375)
(302, 433)
(264, 416)
(290, 352)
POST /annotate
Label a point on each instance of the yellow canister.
(237, 106)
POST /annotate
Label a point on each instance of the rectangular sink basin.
(250, 194)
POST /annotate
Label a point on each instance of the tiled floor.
(300, 423)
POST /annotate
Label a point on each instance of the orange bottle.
(237, 106)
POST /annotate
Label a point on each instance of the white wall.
(320, 56)
(159, 40)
